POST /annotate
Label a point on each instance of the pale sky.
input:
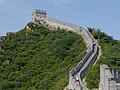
(102, 14)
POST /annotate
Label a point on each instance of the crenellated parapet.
(109, 78)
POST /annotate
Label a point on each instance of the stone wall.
(109, 78)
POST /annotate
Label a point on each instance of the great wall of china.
(77, 73)
(109, 78)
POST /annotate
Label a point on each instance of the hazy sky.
(102, 14)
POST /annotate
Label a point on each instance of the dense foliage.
(110, 56)
(37, 58)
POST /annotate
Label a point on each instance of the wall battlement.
(109, 78)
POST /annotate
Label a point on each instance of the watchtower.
(39, 15)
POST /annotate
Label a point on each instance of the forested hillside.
(110, 56)
(36, 58)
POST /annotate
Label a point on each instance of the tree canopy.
(37, 58)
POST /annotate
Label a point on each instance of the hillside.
(36, 58)
(110, 56)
